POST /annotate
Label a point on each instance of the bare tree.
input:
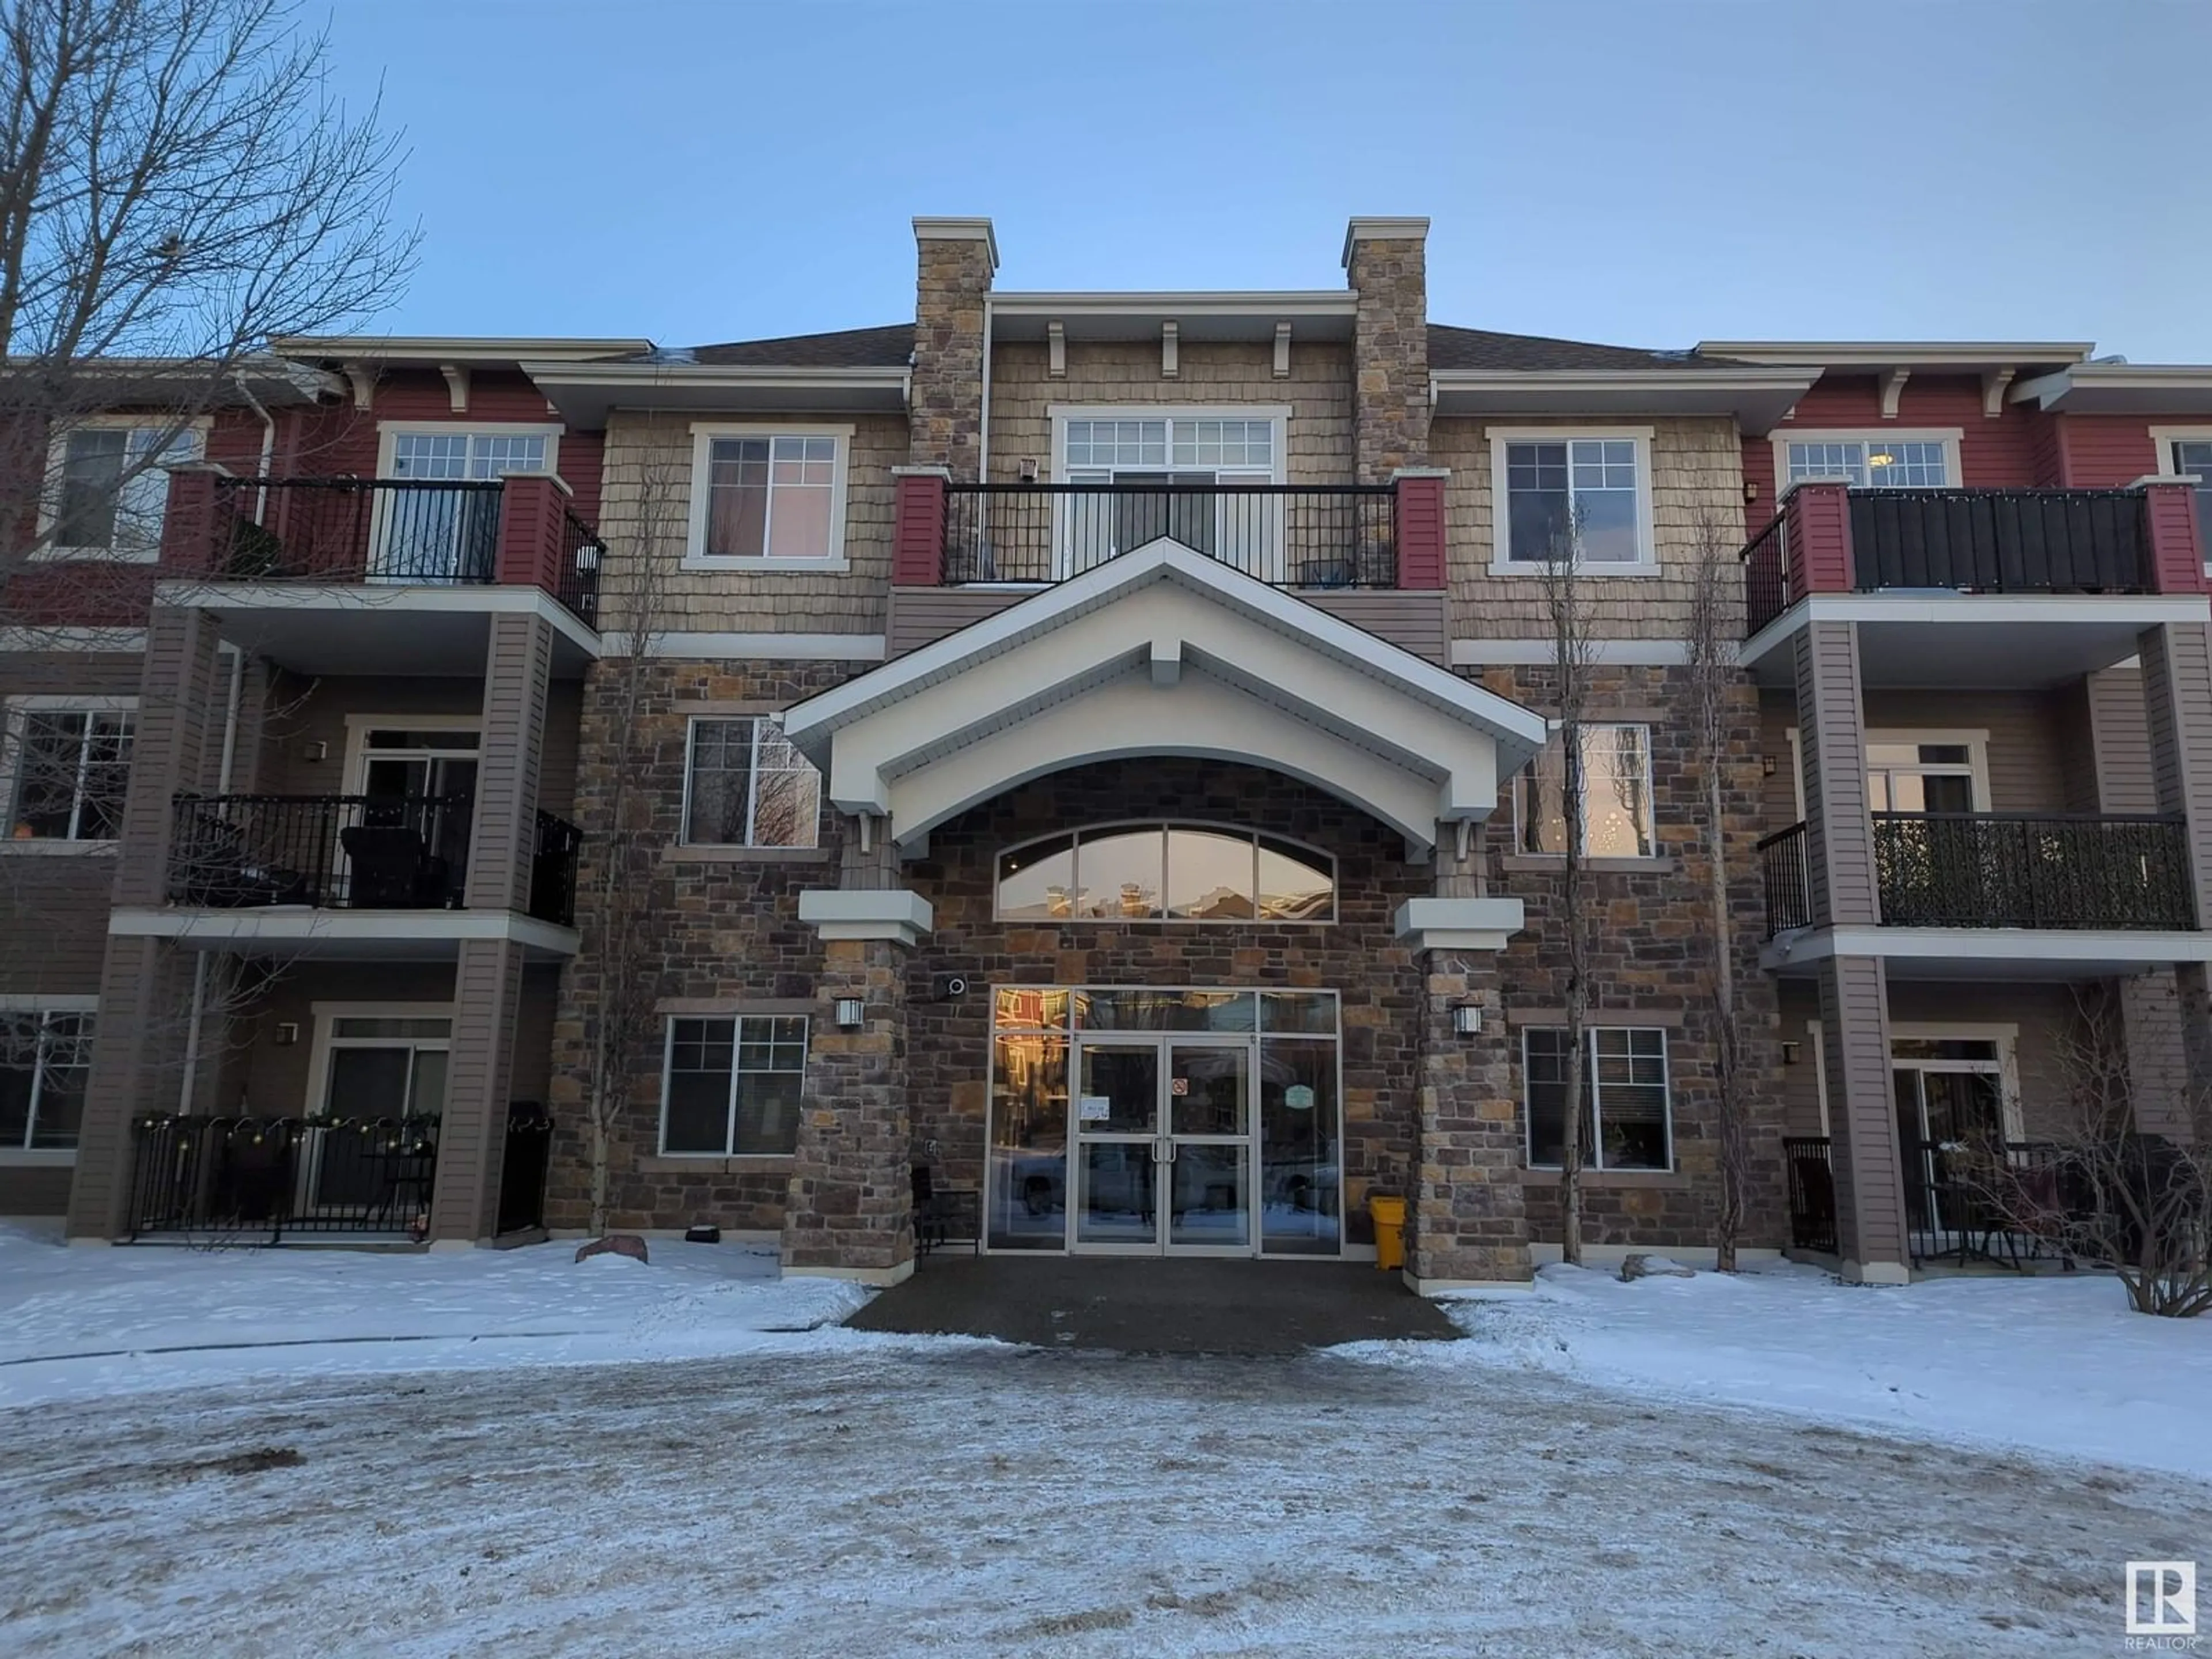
(2098, 1188)
(1713, 678)
(1567, 610)
(178, 185)
(621, 923)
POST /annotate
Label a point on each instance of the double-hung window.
(1616, 777)
(1914, 460)
(66, 771)
(1198, 478)
(45, 1055)
(768, 498)
(1583, 496)
(109, 491)
(732, 1085)
(1625, 1119)
(746, 785)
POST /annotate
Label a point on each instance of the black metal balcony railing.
(553, 869)
(348, 853)
(2004, 870)
(1767, 576)
(315, 1175)
(2000, 541)
(2017, 870)
(1986, 1214)
(359, 530)
(581, 551)
(1292, 535)
(1789, 888)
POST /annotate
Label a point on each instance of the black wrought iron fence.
(1290, 535)
(198, 1177)
(358, 530)
(331, 851)
(1766, 576)
(581, 552)
(2020, 870)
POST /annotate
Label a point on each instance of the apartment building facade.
(1098, 749)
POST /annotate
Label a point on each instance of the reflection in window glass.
(1119, 876)
(1029, 1144)
(1115, 1009)
(1037, 882)
(1624, 1097)
(1209, 876)
(1298, 1172)
(1183, 872)
(1313, 1011)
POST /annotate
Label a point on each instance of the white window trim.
(703, 434)
(1527, 778)
(12, 710)
(57, 455)
(1278, 414)
(326, 1016)
(730, 1121)
(1593, 1157)
(388, 434)
(1816, 1034)
(1948, 436)
(2007, 1037)
(359, 725)
(2164, 438)
(36, 1157)
(1501, 536)
(1975, 742)
(752, 784)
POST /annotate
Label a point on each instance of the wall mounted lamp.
(849, 1013)
(1467, 1019)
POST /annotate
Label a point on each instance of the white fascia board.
(1458, 924)
(286, 925)
(430, 349)
(2132, 611)
(893, 914)
(1991, 944)
(489, 598)
(621, 377)
(2106, 387)
(1516, 728)
(1908, 353)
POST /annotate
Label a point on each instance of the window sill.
(1514, 567)
(1548, 1175)
(37, 1158)
(714, 1164)
(744, 855)
(1544, 862)
(839, 565)
(54, 847)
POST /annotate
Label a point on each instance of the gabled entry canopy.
(1164, 651)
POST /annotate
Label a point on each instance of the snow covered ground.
(2056, 1364)
(76, 1322)
(273, 1453)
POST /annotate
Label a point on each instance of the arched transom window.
(1166, 873)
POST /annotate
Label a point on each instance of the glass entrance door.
(1163, 1154)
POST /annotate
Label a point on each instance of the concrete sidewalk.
(1154, 1306)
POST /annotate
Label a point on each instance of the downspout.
(261, 495)
(185, 1084)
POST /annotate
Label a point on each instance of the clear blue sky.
(1647, 173)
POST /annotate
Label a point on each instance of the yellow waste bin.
(1389, 1215)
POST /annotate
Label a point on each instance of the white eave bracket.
(893, 914)
(1458, 924)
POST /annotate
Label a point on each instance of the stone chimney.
(1386, 262)
(956, 258)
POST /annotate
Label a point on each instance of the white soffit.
(1164, 651)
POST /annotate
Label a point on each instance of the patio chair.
(392, 868)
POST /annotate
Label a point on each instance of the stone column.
(2177, 679)
(1465, 1220)
(139, 1033)
(848, 1209)
(1839, 858)
(955, 259)
(1386, 262)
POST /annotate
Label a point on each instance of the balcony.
(1373, 554)
(1951, 1211)
(365, 576)
(2032, 586)
(1988, 870)
(267, 872)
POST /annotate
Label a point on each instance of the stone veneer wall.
(1318, 391)
(1697, 472)
(647, 508)
(1650, 964)
(734, 944)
